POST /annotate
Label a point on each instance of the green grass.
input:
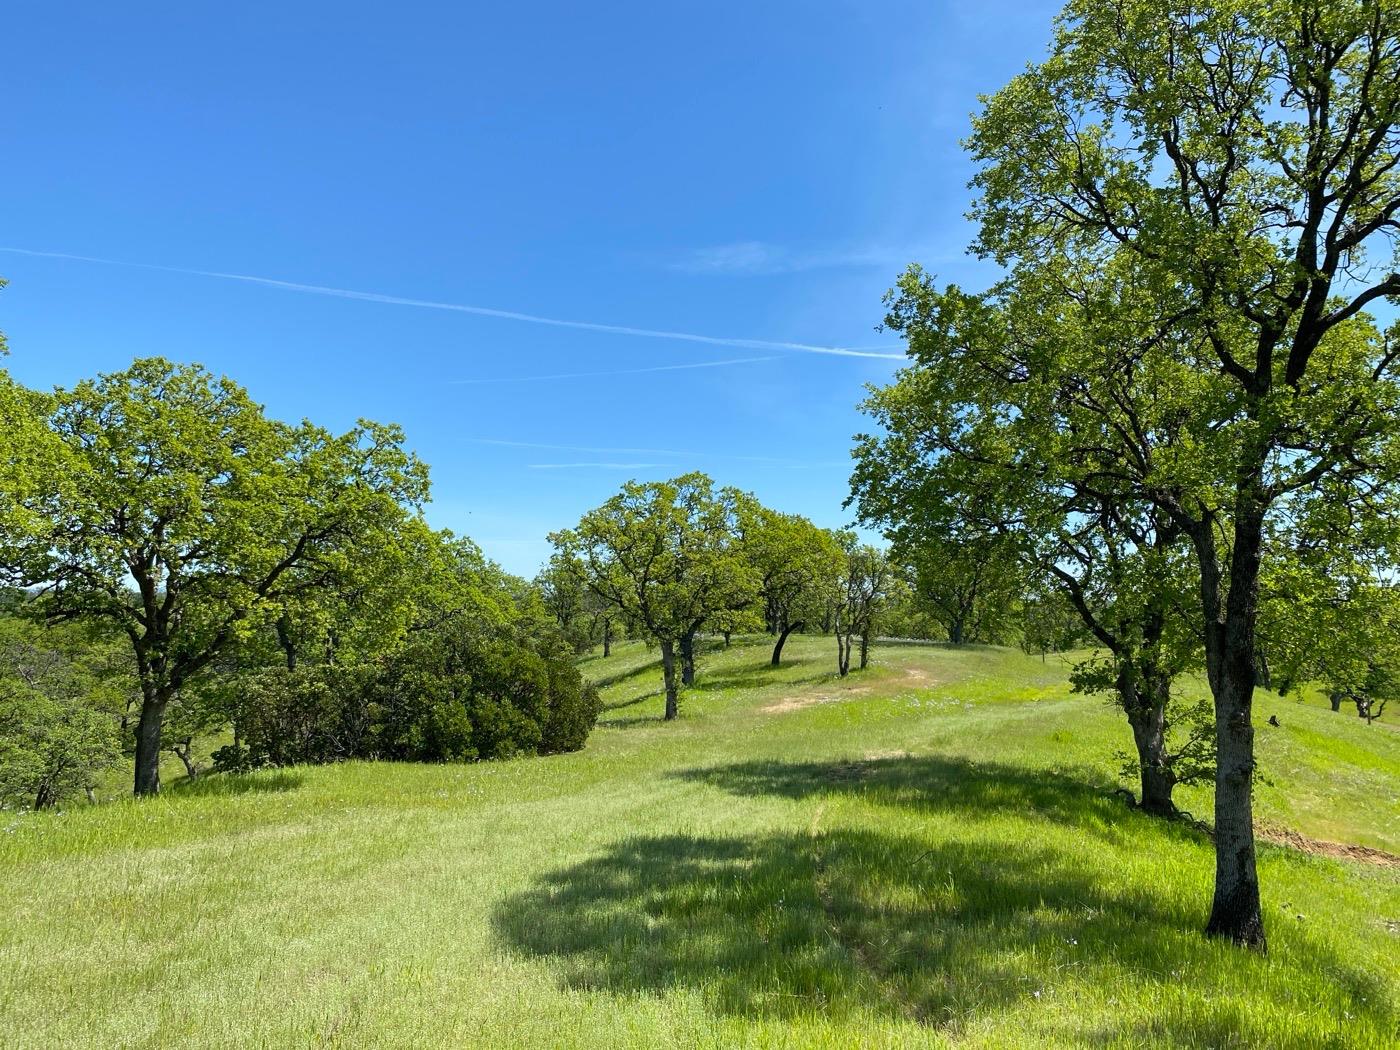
(925, 854)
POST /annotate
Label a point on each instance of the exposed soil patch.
(1281, 836)
(914, 676)
(796, 703)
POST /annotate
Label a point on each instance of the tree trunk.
(955, 632)
(184, 750)
(148, 731)
(864, 649)
(726, 639)
(1143, 693)
(688, 658)
(284, 639)
(46, 797)
(843, 652)
(782, 641)
(1336, 697)
(668, 671)
(1235, 911)
(1148, 719)
(607, 638)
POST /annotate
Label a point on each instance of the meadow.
(926, 853)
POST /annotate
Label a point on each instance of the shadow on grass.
(222, 784)
(760, 675)
(633, 701)
(650, 667)
(635, 722)
(849, 923)
(933, 783)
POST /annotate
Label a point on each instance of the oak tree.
(664, 553)
(1238, 164)
(188, 518)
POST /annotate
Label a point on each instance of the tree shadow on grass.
(632, 702)
(635, 722)
(853, 924)
(762, 675)
(223, 784)
(650, 667)
(937, 783)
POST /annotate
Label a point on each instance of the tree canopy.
(1194, 207)
(665, 554)
(175, 483)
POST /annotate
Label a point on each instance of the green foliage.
(561, 587)
(178, 484)
(1330, 608)
(664, 553)
(60, 696)
(797, 565)
(867, 582)
(1049, 623)
(31, 464)
(455, 691)
(967, 582)
(289, 717)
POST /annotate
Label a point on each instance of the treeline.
(668, 560)
(182, 565)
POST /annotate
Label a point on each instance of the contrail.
(618, 372)
(479, 311)
(596, 466)
(613, 450)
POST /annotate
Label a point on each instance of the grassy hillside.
(927, 853)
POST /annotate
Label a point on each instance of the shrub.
(447, 696)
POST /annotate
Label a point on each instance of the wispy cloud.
(762, 258)
(788, 464)
(575, 448)
(596, 466)
(615, 372)
(481, 311)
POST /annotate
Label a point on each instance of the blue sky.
(755, 172)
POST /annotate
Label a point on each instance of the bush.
(447, 696)
(573, 709)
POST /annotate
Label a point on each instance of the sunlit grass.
(926, 853)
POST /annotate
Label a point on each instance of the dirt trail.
(796, 703)
(915, 676)
(1281, 836)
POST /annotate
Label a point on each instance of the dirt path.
(1281, 836)
(797, 703)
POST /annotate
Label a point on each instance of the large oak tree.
(665, 554)
(1236, 165)
(190, 519)
(798, 566)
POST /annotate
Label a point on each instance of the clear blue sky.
(757, 171)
